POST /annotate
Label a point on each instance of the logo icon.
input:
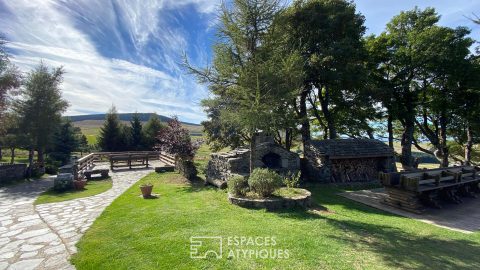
(203, 246)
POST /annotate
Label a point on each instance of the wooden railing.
(87, 162)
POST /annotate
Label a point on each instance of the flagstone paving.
(44, 236)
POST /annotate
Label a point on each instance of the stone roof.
(352, 148)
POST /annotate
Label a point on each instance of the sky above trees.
(129, 53)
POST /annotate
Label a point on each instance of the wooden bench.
(131, 160)
(412, 191)
(102, 172)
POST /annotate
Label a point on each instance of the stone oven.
(267, 154)
(347, 160)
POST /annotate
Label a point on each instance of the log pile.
(354, 170)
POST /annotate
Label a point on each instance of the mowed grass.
(134, 233)
(92, 188)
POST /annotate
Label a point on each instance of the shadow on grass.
(329, 195)
(404, 250)
(398, 248)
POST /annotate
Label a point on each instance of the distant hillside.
(123, 117)
(91, 124)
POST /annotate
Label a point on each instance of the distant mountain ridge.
(123, 117)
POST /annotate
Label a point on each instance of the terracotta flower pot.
(146, 190)
(79, 184)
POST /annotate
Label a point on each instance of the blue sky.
(128, 52)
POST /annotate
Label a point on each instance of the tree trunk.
(305, 128)
(468, 146)
(390, 130)
(407, 138)
(288, 138)
(370, 134)
(252, 151)
(31, 153)
(1, 154)
(324, 102)
(443, 135)
(40, 157)
(12, 155)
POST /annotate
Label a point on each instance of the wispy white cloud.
(141, 74)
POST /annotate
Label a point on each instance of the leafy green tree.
(248, 74)
(151, 130)
(40, 107)
(441, 84)
(403, 52)
(136, 134)
(465, 127)
(110, 138)
(328, 36)
(9, 79)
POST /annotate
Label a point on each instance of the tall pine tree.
(136, 134)
(40, 107)
(151, 130)
(109, 139)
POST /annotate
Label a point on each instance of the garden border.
(303, 201)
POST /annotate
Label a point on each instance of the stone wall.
(223, 165)
(267, 154)
(11, 172)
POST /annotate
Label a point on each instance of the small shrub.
(264, 182)
(292, 180)
(238, 185)
(63, 182)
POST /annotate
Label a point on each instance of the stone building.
(267, 154)
(347, 160)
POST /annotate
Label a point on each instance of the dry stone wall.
(11, 172)
(267, 154)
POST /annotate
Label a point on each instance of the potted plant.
(79, 184)
(146, 190)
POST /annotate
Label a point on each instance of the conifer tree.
(109, 139)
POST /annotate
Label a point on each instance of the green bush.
(238, 185)
(264, 182)
(292, 180)
(63, 182)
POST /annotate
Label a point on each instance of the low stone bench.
(102, 172)
(163, 169)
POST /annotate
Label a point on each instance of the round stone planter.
(273, 203)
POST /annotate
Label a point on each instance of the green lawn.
(92, 188)
(134, 233)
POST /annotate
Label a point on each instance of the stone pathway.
(44, 237)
